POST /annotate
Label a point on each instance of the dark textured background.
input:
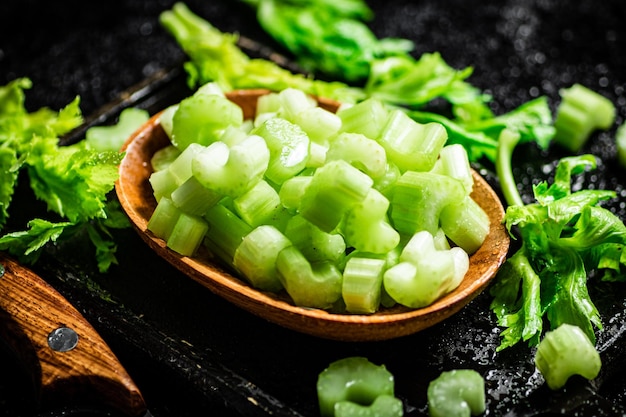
(188, 349)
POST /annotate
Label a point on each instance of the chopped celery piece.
(334, 189)
(194, 198)
(163, 183)
(258, 205)
(412, 145)
(385, 183)
(360, 151)
(424, 274)
(288, 145)
(256, 257)
(564, 352)
(362, 284)
(164, 157)
(465, 223)
(620, 141)
(267, 103)
(418, 199)
(315, 244)
(187, 234)
(111, 138)
(319, 123)
(354, 379)
(226, 232)
(201, 118)
(181, 166)
(232, 136)
(454, 162)
(313, 285)
(383, 406)
(292, 190)
(367, 117)
(166, 119)
(580, 112)
(317, 155)
(231, 171)
(163, 218)
(456, 393)
(293, 101)
(366, 227)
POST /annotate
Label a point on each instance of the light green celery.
(187, 234)
(620, 142)
(166, 119)
(267, 103)
(288, 146)
(412, 145)
(231, 171)
(424, 274)
(256, 257)
(163, 183)
(580, 112)
(564, 352)
(419, 197)
(367, 117)
(466, 224)
(360, 151)
(111, 138)
(201, 118)
(258, 205)
(354, 379)
(293, 101)
(385, 183)
(162, 158)
(317, 155)
(181, 166)
(366, 226)
(226, 232)
(292, 191)
(313, 285)
(456, 393)
(163, 218)
(194, 198)
(362, 284)
(232, 135)
(334, 189)
(315, 245)
(319, 123)
(507, 141)
(383, 406)
(454, 162)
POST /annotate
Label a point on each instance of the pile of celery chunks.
(345, 211)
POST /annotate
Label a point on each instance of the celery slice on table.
(456, 393)
(465, 223)
(256, 257)
(314, 285)
(319, 123)
(362, 284)
(412, 145)
(164, 218)
(418, 199)
(288, 145)
(367, 117)
(620, 141)
(360, 151)
(383, 406)
(187, 234)
(334, 189)
(111, 138)
(315, 244)
(564, 352)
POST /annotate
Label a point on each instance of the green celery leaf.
(8, 179)
(27, 244)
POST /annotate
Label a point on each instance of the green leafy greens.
(73, 181)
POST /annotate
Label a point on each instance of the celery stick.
(163, 183)
(366, 227)
(412, 145)
(258, 205)
(620, 141)
(288, 145)
(335, 188)
(367, 117)
(320, 124)
(418, 199)
(187, 234)
(385, 183)
(194, 198)
(267, 103)
(111, 138)
(292, 191)
(256, 257)
(315, 244)
(317, 155)
(314, 285)
(231, 171)
(166, 119)
(465, 223)
(226, 232)
(456, 393)
(293, 101)
(163, 218)
(181, 166)
(164, 157)
(383, 406)
(360, 151)
(454, 162)
(362, 284)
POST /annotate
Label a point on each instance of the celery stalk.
(362, 284)
(226, 232)
(187, 234)
(465, 223)
(362, 152)
(456, 393)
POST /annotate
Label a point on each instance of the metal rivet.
(62, 339)
(1, 270)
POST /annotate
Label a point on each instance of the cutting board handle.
(67, 359)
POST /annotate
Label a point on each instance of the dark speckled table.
(189, 350)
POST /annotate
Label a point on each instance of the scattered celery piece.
(187, 234)
(362, 152)
(620, 141)
(566, 351)
(383, 406)
(355, 380)
(456, 393)
(111, 138)
(362, 284)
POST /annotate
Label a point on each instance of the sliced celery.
(292, 190)
(187, 234)
(320, 124)
(292, 102)
(367, 117)
(164, 157)
(334, 189)
(418, 199)
(267, 103)
(385, 183)
(454, 162)
(226, 232)
(412, 145)
(314, 285)
(288, 145)
(194, 198)
(315, 244)
(383, 406)
(111, 138)
(163, 183)
(256, 257)
(620, 141)
(360, 151)
(457, 393)
(258, 205)
(181, 166)
(465, 223)
(362, 284)
(163, 218)
(231, 171)
(166, 119)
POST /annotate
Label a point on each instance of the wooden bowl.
(135, 195)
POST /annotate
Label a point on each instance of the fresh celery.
(315, 244)
(457, 393)
(367, 117)
(226, 232)
(164, 218)
(564, 352)
(259, 205)
(111, 138)
(620, 142)
(465, 223)
(164, 157)
(187, 234)
(362, 284)
(194, 198)
(364, 153)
